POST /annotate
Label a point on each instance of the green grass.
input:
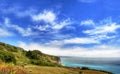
(19, 56)
(59, 70)
(6, 68)
(26, 61)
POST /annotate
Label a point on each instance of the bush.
(33, 54)
(42, 63)
(7, 57)
(84, 68)
(38, 58)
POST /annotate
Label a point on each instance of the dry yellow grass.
(32, 69)
(6, 68)
(59, 70)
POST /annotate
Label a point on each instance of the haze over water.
(107, 64)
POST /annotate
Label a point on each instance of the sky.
(82, 28)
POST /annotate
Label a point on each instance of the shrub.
(7, 57)
(42, 63)
(33, 54)
(85, 68)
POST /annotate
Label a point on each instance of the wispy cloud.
(78, 40)
(54, 25)
(99, 51)
(81, 41)
(51, 21)
(87, 22)
(5, 33)
(103, 30)
(42, 27)
(62, 24)
(47, 16)
(88, 1)
(18, 11)
(24, 32)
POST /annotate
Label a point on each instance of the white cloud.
(18, 11)
(24, 32)
(61, 24)
(98, 51)
(88, 1)
(47, 16)
(80, 41)
(103, 37)
(54, 25)
(87, 22)
(103, 29)
(42, 27)
(5, 33)
(59, 43)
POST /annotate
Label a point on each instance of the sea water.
(106, 64)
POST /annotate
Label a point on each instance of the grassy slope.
(59, 70)
(20, 56)
(21, 59)
(6, 68)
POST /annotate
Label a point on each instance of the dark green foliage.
(7, 57)
(80, 72)
(17, 55)
(84, 68)
(38, 58)
(42, 63)
(35, 54)
(8, 47)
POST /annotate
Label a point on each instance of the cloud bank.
(98, 51)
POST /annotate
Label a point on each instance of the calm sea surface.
(107, 64)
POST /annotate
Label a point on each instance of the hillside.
(15, 60)
(18, 56)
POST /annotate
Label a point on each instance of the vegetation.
(84, 68)
(38, 58)
(60, 70)
(18, 56)
(10, 69)
(18, 61)
(7, 57)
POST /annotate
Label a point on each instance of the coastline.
(114, 69)
(62, 70)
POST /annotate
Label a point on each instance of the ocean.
(106, 64)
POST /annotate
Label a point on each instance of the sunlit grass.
(60, 70)
(11, 69)
(6, 68)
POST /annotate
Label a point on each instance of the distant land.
(16, 60)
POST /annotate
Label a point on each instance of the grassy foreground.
(6, 68)
(59, 70)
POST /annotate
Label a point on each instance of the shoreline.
(99, 67)
(87, 68)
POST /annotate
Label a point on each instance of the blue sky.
(62, 27)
